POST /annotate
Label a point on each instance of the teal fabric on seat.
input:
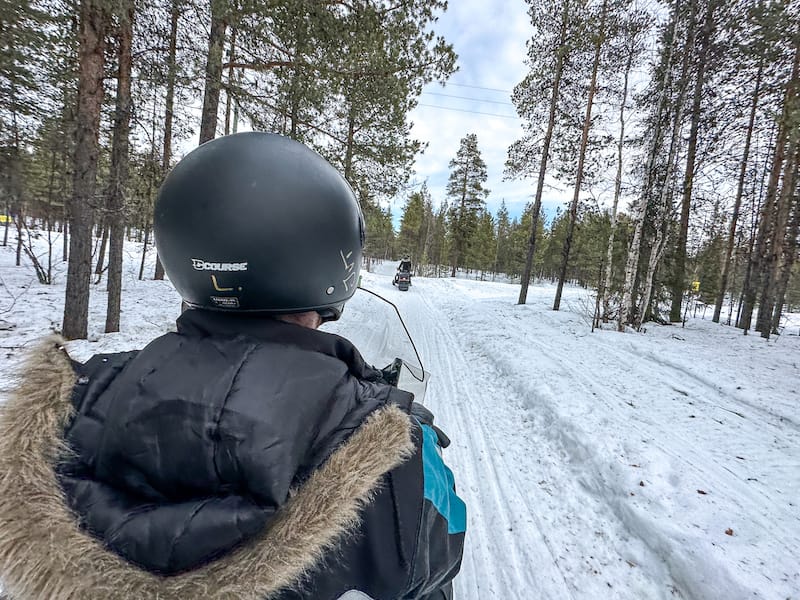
(440, 484)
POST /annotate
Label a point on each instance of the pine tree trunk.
(726, 265)
(788, 260)
(656, 254)
(562, 52)
(587, 123)
(144, 250)
(92, 30)
(665, 200)
(7, 224)
(349, 148)
(19, 220)
(605, 282)
(765, 219)
(635, 251)
(101, 254)
(119, 169)
(678, 283)
(65, 239)
(213, 85)
(754, 227)
(770, 206)
(228, 95)
(776, 244)
(172, 73)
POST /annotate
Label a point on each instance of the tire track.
(460, 402)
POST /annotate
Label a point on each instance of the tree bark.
(91, 36)
(587, 123)
(678, 283)
(172, 74)
(19, 220)
(665, 200)
(213, 85)
(119, 168)
(770, 206)
(101, 254)
(228, 95)
(144, 250)
(606, 279)
(7, 223)
(561, 54)
(776, 244)
(726, 265)
(755, 225)
(635, 250)
(789, 258)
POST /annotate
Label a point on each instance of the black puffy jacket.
(217, 464)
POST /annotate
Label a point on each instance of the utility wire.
(467, 98)
(477, 87)
(464, 110)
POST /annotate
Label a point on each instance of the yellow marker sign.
(695, 286)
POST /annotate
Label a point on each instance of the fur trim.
(43, 553)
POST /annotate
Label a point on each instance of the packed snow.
(660, 464)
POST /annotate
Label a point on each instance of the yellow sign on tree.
(695, 286)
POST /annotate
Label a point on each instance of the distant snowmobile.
(402, 280)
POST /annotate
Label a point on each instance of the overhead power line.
(478, 87)
(464, 110)
(467, 98)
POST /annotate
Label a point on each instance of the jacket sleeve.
(441, 524)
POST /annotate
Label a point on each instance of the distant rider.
(405, 265)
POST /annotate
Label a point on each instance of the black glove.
(425, 417)
(391, 373)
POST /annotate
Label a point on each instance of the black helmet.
(256, 222)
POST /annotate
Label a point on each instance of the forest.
(674, 124)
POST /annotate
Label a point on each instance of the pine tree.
(120, 163)
(465, 189)
(411, 238)
(656, 189)
(599, 37)
(739, 193)
(484, 243)
(537, 99)
(502, 256)
(93, 26)
(213, 81)
(706, 39)
(172, 75)
(630, 48)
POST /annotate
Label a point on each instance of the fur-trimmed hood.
(44, 554)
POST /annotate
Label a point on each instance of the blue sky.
(489, 38)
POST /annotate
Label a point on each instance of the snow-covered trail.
(534, 530)
(594, 468)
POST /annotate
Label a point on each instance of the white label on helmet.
(349, 270)
(202, 265)
(225, 301)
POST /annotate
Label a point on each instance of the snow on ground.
(663, 464)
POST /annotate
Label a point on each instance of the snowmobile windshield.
(415, 380)
(374, 326)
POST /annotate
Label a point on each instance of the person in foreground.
(247, 455)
